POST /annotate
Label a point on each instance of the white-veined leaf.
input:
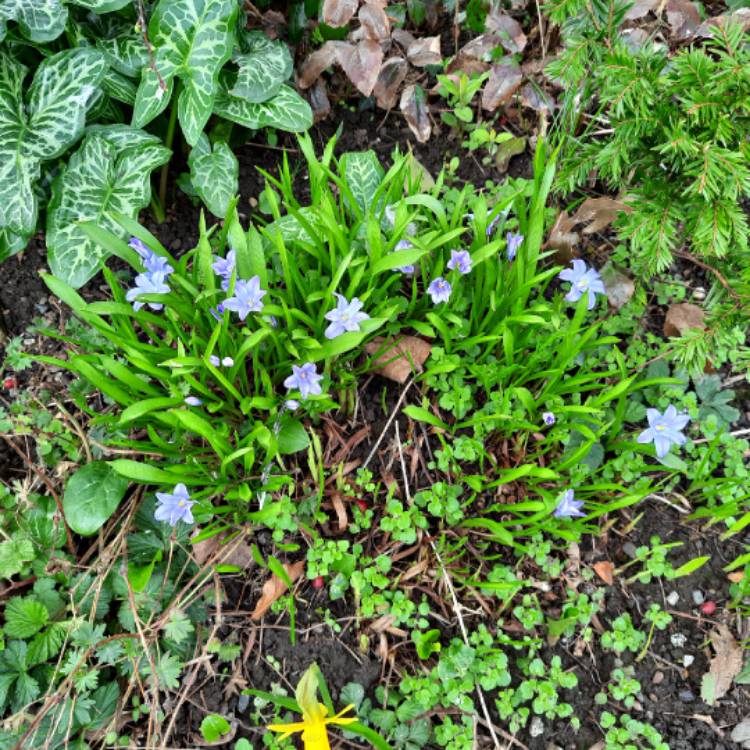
(265, 66)
(125, 54)
(214, 173)
(104, 175)
(41, 126)
(364, 174)
(38, 20)
(286, 111)
(102, 6)
(11, 243)
(193, 39)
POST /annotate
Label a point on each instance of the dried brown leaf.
(534, 98)
(390, 78)
(341, 517)
(374, 22)
(640, 8)
(684, 18)
(414, 107)
(605, 570)
(480, 48)
(508, 29)
(362, 63)
(339, 12)
(504, 80)
(219, 551)
(599, 213)
(318, 61)
(424, 51)
(507, 150)
(319, 102)
(740, 16)
(562, 238)
(620, 287)
(682, 317)
(399, 359)
(725, 666)
(402, 37)
(274, 588)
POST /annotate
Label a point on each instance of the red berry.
(708, 608)
(9, 383)
(362, 505)
(318, 583)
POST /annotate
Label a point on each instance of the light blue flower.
(174, 506)
(440, 290)
(304, 379)
(512, 243)
(217, 311)
(460, 261)
(583, 280)
(664, 430)
(214, 360)
(224, 268)
(345, 317)
(152, 262)
(569, 507)
(491, 226)
(227, 362)
(147, 283)
(193, 401)
(407, 270)
(291, 404)
(247, 297)
(549, 418)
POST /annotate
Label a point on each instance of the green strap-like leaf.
(103, 176)
(193, 40)
(38, 20)
(286, 111)
(263, 69)
(41, 128)
(214, 174)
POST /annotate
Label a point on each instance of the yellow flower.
(314, 721)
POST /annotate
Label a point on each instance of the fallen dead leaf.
(341, 517)
(274, 588)
(414, 107)
(508, 29)
(562, 238)
(339, 12)
(684, 18)
(736, 576)
(505, 78)
(402, 37)
(740, 16)
(640, 8)
(479, 48)
(725, 666)
(374, 22)
(318, 61)
(682, 317)
(507, 150)
(605, 570)
(619, 286)
(390, 78)
(235, 551)
(399, 359)
(535, 98)
(599, 213)
(424, 51)
(362, 63)
(321, 106)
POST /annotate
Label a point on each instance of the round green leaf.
(92, 496)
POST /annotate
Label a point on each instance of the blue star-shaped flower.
(345, 317)
(247, 297)
(664, 430)
(583, 280)
(174, 506)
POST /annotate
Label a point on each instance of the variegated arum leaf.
(11, 243)
(263, 68)
(110, 172)
(214, 173)
(363, 176)
(102, 6)
(286, 111)
(193, 39)
(126, 54)
(40, 126)
(38, 20)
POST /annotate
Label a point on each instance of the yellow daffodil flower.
(314, 721)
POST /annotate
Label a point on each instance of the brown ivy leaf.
(605, 570)
(504, 80)
(725, 666)
(508, 29)
(684, 18)
(390, 78)
(640, 8)
(274, 588)
(397, 360)
(402, 37)
(319, 102)
(374, 22)
(318, 61)
(740, 16)
(362, 63)
(414, 106)
(339, 12)
(533, 97)
(425, 51)
(599, 213)
(682, 317)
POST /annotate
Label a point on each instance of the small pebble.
(537, 727)
(629, 549)
(686, 696)
(687, 660)
(698, 597)
(658, 678)
(673, 598)
(699, 293)
(678, 639)
(243, 702)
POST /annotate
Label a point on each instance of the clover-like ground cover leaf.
(264, 67)
(193, 40)
(287, 110)
(39, 127)
(214, 173)
(110, 172)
